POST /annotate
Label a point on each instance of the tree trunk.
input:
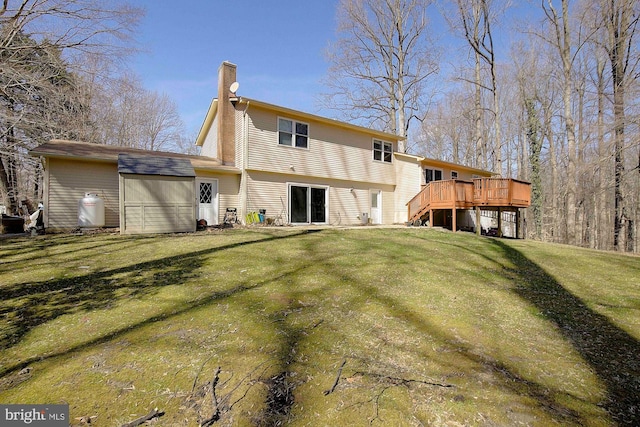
(565, 52)
(535, 148)
(480, 150)
(7, 187)
(602, 240)
(553, 162)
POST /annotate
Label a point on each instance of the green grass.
(425, 328)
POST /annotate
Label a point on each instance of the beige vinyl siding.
(411, 176)
(332, 153)
(266, 191)
(346, 201)
(388, 205)
(228, 190)
(157, 204)
(67, 183)
(463, 173)
(210, 144)
(240, 133)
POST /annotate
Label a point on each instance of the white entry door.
(208, 200)
(376, 206)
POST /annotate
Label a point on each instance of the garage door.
(157, 195)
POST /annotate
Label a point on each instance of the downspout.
(245, 159)
(45, 190)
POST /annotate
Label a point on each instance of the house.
(143, 191)
(291, 166)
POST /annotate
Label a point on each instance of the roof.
(213, 110)
(109, 153)
(426, 161)
(145, 165)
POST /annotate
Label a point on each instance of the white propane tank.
(91, 211)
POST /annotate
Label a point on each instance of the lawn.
(289, 326)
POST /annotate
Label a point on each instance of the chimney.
(226, 114)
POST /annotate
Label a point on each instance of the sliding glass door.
(307, 204)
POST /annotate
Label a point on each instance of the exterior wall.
(240, 138)
(156, 204)
(67, 182)
(463, 174)
(410, 176)
(210, 144)
(228, 190)
(347, 200)
(332, 153)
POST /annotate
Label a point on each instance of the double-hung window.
(432, 175)
(292, 133)
(382, 151)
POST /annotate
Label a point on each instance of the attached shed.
(157, 194)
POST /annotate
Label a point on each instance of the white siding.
(333, 152)
(210, 144)
(410, 178)
(240, 137)
(346, 201)
(228, 189)
(69, 180)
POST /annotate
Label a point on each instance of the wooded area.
(547, 92)
(63, 75)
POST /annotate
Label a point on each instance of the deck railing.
(501, 192)
(451, 194)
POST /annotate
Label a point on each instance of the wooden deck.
(481, 192)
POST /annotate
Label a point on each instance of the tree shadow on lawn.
(508, 379)
(50, 299)
(36, 249)
(613, 354)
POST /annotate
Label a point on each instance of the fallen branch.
(402, 381)
(195, 380)
(214, 401)
(335, 383)
(153, 414)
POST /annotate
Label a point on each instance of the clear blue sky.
(276, 44)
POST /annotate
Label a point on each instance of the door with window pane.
(376, 206)
(307, 204)
(208, 200)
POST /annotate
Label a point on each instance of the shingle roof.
(109, 153)
(145, 165)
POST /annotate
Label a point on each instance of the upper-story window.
(432, 174)
(382, 151)
(293, 133)
(454, 174)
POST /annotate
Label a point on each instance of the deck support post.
(430, 217)
(478, 226)
(453, 219)
(499, 221)
(518, 223)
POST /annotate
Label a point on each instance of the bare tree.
(125, 113)
(38, 102)
(381, 62)
(475, 18)
(561, 40)
(620, 18)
